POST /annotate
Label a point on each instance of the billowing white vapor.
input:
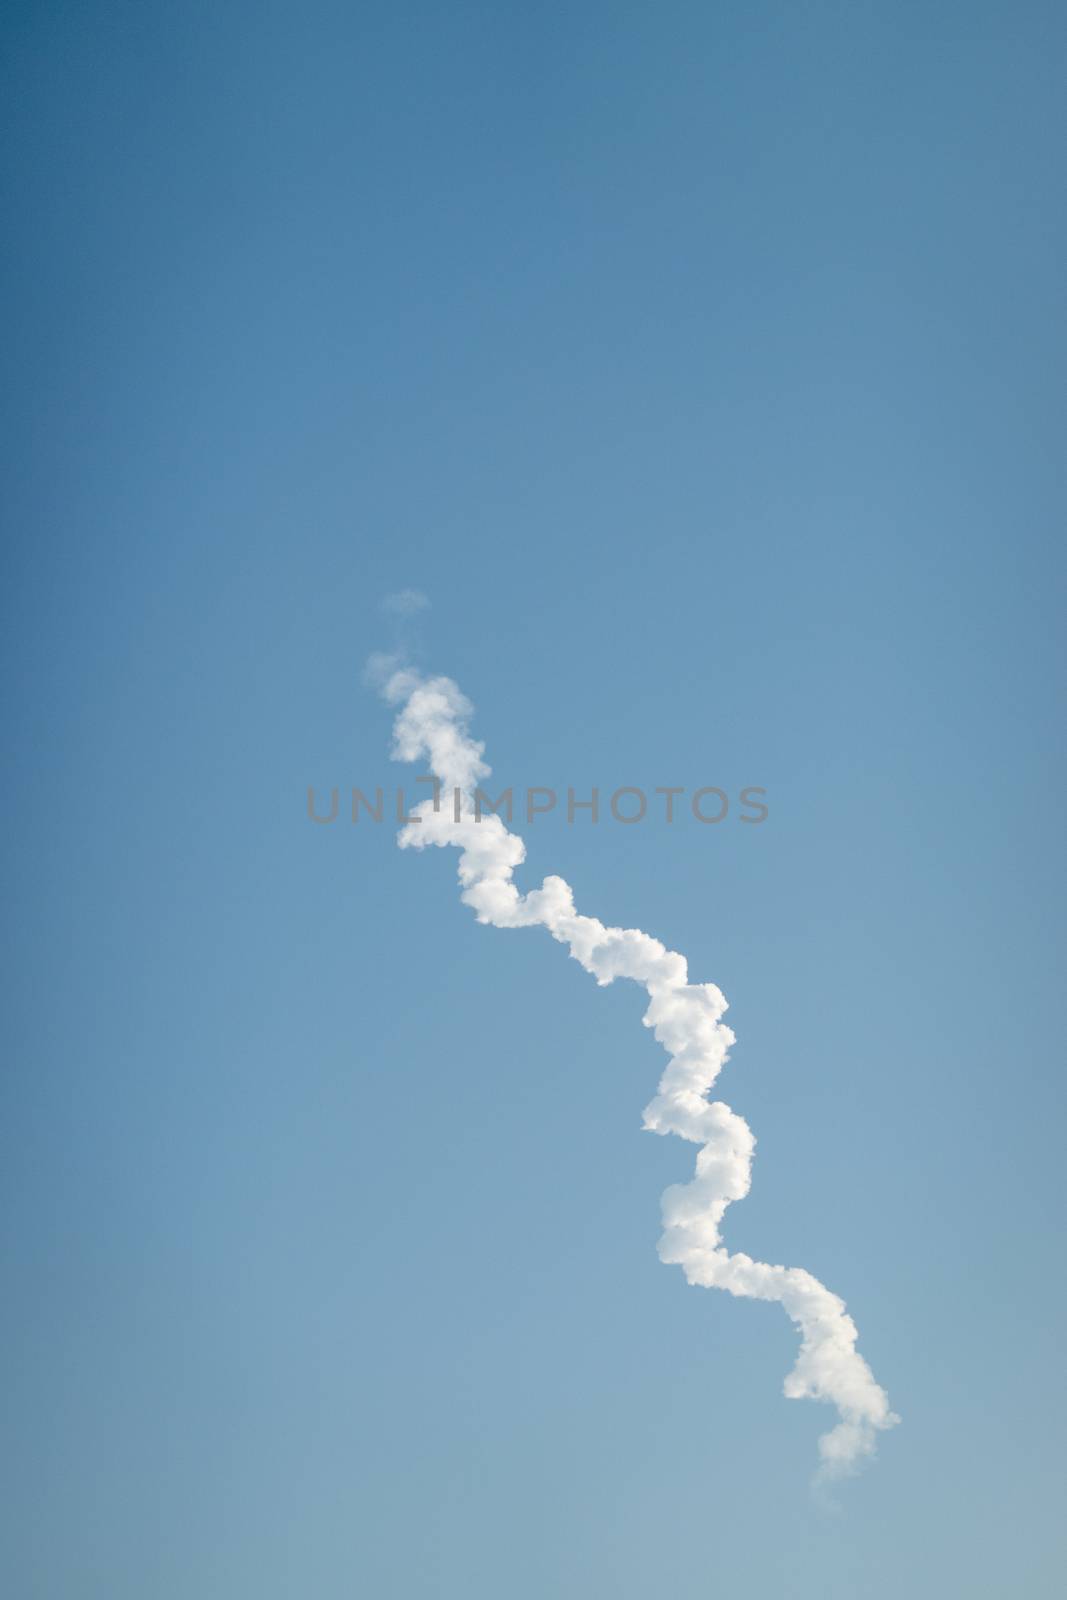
(432, 725)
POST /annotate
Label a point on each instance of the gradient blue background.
(703, 364)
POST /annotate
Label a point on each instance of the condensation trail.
(432, 725)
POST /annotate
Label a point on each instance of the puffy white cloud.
(433, 725)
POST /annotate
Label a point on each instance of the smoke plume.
(432, 725)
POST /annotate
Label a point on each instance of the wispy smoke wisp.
(433, 725)
(405, 603)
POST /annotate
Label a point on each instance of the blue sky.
(703, 365)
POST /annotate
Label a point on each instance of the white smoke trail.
(432, 725)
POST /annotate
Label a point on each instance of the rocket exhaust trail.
(432, 724)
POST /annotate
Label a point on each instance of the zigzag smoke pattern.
(433, 725)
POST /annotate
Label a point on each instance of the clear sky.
(703, 365)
